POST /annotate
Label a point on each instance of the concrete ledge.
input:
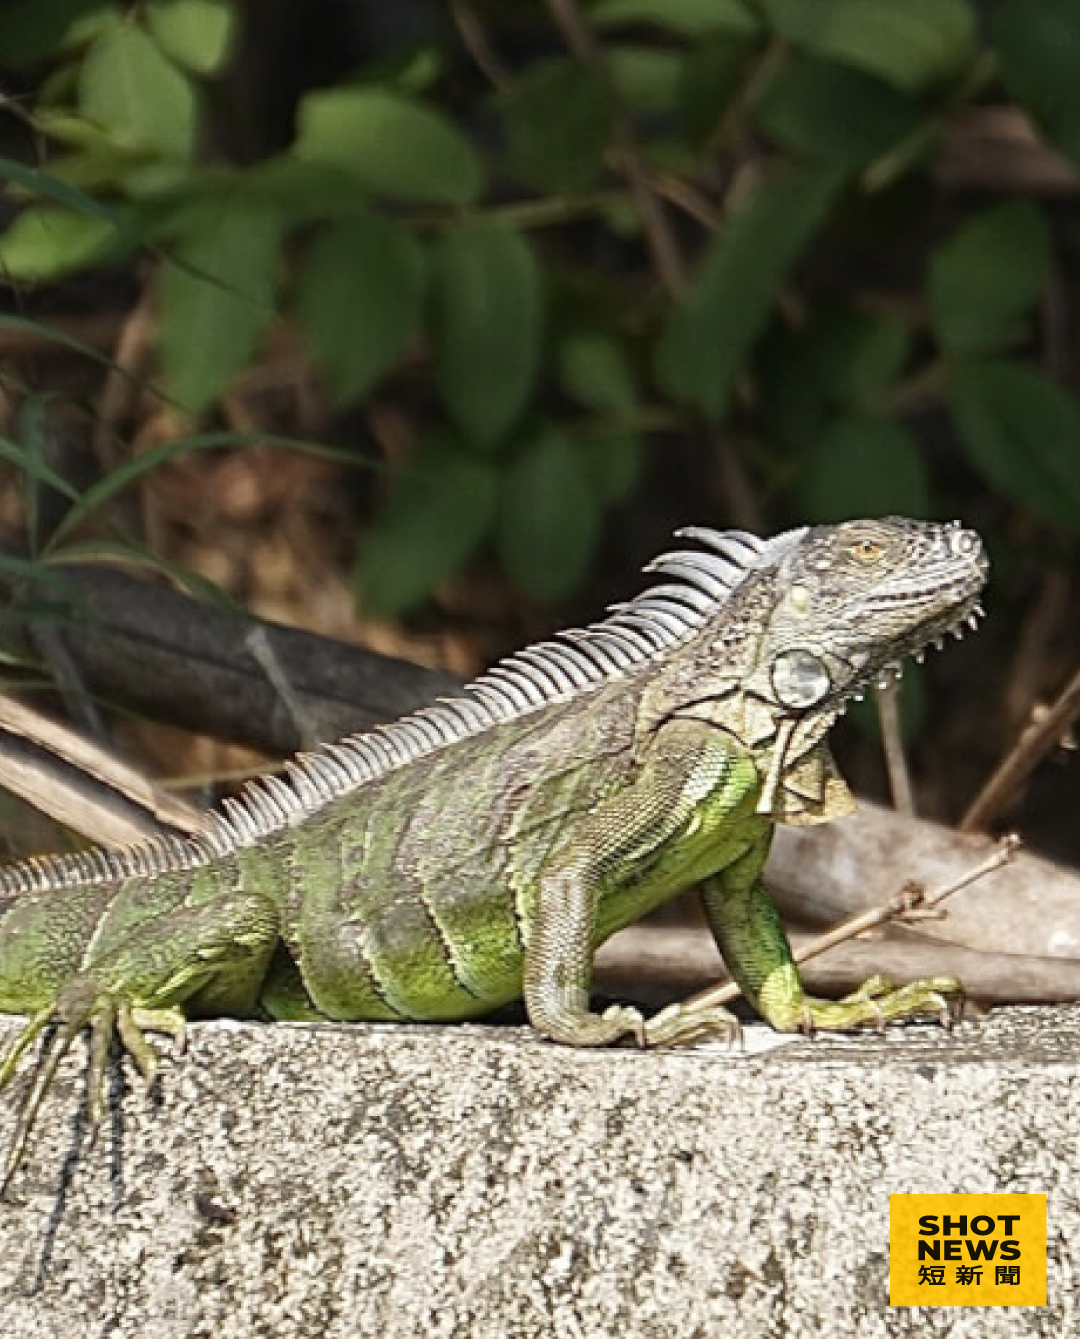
(363, 1181)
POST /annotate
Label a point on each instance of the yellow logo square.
(967, 1250)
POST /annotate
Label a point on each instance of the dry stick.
(1036, 740)
(1039, 628)
(665, 251)
(892, 739)
(911, 902)
(476, 42)
(82, 785)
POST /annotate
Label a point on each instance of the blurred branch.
(176, 659)
(661, 963)
(824, 874)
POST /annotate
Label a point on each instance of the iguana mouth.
(893, 670)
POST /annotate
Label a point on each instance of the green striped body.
(421, 905)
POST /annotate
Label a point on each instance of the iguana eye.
(867, 550)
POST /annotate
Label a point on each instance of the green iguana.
(478, 851)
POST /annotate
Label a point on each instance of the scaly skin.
(489, 864)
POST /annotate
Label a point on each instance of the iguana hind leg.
(202, 959)
(748, 929)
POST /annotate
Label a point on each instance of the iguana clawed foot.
(682, 1024)
(675, 1025)
(876, 1003)
(81, 1004)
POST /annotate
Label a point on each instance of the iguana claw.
(80, 1004)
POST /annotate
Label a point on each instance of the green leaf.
(31, 463)
(728, 304)
(106, 170)
(389, 144)
(830, 110)
(128, 86)
(795, 403)
(594, 371)
(32, 429)
(44, 243)
(486, 327)
(1022, 433)
(689, 18)
(911, 44)
(359, 299)
(218, 299)
(987, 277)
(841, 359)
(863, 467)
(614, 460)
(32, 31)
(548, 517)
(303, 192)
(855, 354)
(1039, 49)
(441, 510)
(557, 126)
(197, 34)
(646, 80)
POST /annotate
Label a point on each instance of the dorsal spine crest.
(580, 660)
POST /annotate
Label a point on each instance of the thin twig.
(892, 739)
(661, 240)
(475, 40)
(1046, 614)
(683, 196)
(1036, 741)
(910, 903)
(668, 260)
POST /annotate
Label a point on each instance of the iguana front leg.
(618, 851)
(751, 937)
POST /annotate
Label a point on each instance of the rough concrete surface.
(391, 1181)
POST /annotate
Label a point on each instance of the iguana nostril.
(965, 543)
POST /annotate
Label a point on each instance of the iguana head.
(819, 615)
(851, 601)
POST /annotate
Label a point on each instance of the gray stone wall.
(334, 1182)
